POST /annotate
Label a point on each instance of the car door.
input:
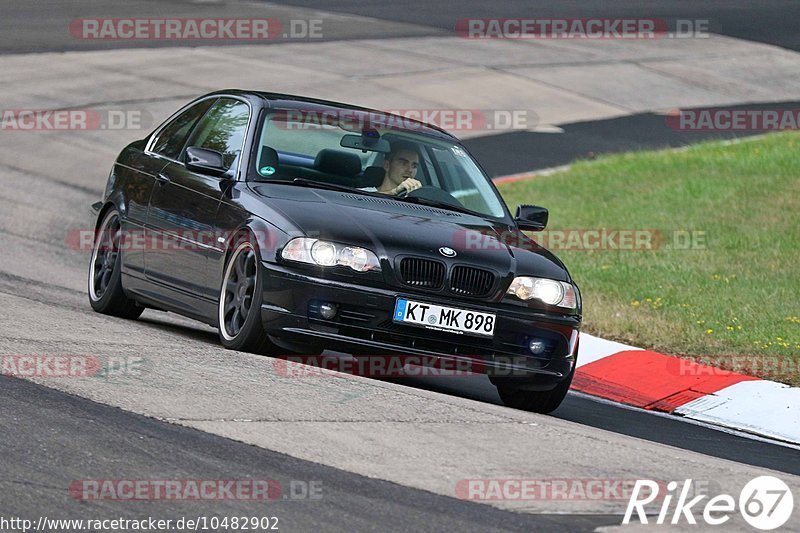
(164, 148)
(184, 203)
(134, 173)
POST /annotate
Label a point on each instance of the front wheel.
(535, 401)
(106, 294)
(239, 313)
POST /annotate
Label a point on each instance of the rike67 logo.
(765, 503)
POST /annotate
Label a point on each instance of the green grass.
(737, 296)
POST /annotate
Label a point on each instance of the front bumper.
(363, 325)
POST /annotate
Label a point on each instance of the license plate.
(441, 318)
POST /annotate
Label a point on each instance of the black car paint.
(154, 194)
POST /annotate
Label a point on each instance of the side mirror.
(531, 217)
(204, 161)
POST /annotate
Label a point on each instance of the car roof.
(308, 104)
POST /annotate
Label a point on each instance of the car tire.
(239, 307)
(106, 294)
(535, 401)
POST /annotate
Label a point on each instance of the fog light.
(328, 311)
(536, 346)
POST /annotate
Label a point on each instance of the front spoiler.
(488, 366)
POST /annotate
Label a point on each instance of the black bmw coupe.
(296, 225)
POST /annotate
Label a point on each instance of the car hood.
(392, 228)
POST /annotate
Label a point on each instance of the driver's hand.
(407, 186)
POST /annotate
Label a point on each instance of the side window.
(223, 129)
(172, 138)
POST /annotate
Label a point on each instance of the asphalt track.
(522, 151)
(42, 26)
(668, 430)
(769, 21)
(51, 438)
(87, 440)
(39, 26)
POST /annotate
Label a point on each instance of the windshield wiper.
(439, 204)
(302, 182)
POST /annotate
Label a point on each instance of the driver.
(401, 165)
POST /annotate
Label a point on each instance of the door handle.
(162, 178)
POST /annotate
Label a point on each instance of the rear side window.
(223, 129)
(172, 138)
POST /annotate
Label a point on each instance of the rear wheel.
(536, 401)
(106, 294)
(239, 313)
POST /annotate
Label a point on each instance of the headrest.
(373, 177)
(337, 162)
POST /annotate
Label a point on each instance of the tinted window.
(444, 164)
(223, 129)
(172, 138)
(459, 177)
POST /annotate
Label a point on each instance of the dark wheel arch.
(108, 296)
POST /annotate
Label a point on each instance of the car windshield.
(296, 144)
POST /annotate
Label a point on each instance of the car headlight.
(549, 291)
(324, 253)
